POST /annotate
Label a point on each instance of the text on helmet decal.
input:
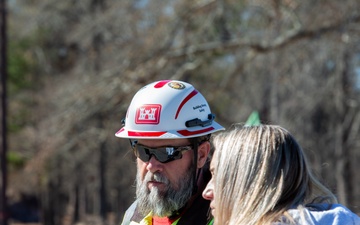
(200, 107)
(148, 114)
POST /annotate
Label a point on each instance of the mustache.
(156, 177)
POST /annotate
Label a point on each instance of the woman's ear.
(203, 152)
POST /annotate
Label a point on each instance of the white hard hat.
(168, 109)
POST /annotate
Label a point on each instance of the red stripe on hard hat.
(189, 133)
(145, 134)
(121, 130)
(192, 94)
(161, 84)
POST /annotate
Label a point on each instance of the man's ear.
(203, 152)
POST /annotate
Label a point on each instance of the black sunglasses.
(162, 154)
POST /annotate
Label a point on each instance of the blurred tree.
(295, 63)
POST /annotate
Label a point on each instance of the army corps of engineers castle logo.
(148, 114)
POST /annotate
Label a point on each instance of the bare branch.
(283, 40)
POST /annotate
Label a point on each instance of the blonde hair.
(260, 172)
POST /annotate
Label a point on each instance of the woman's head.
(258, 173)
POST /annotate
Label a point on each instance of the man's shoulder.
(130, 214)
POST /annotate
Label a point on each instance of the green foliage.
(18, 119)
(15, 160)
(21, 65)
(23, 76)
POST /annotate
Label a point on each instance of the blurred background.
(73, 67)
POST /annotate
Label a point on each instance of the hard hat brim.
(174, 134)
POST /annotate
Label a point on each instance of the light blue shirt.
(324, 214)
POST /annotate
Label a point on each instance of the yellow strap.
(147, 220)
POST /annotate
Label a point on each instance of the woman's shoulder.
(329, 214)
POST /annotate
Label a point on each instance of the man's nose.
(154, 165)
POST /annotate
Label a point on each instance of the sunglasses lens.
(163, 155)
(142, 153)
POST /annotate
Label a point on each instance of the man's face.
(164, 187)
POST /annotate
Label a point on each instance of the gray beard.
(163, 203)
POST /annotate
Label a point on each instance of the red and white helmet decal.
(148, 114)
(168, 109)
